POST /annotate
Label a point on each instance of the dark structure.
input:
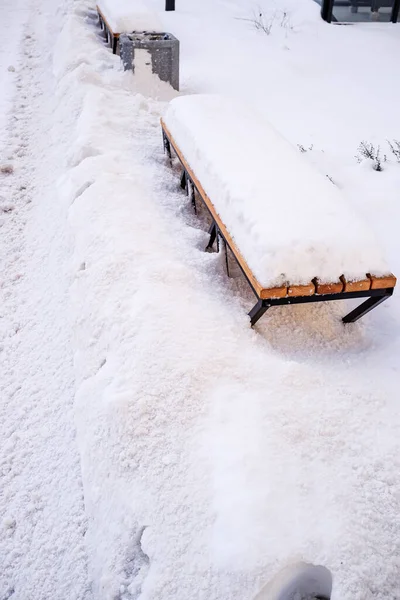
(344, 11)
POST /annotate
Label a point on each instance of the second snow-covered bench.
(292, 233)
(124, 16)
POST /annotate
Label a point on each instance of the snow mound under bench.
(290, 223)
(125, 16)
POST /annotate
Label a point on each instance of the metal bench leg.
(184, 180)
(213, 234)
(364, 308)
(167, 148)
(192, 195)
(114, 44)
(257, 312)
(226, 258)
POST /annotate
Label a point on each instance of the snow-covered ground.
(42, 518)
(212, 455)
(13, 16)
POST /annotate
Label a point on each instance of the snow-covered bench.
(124, 16)
(292, 233)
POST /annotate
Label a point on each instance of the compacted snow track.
(42, 524)
(13, 16)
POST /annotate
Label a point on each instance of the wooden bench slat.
(302, 290)
(379, 283)
(356, 286)
(335, 287)
(276, 292)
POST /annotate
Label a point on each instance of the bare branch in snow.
(369, 151)
(395, 149)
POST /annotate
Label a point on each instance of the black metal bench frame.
(375, 296)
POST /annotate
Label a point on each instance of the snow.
(13, 17)
(125, 16)
(42, 517)
(288, 221)
(213, 456)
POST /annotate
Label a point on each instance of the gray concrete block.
(164, 51)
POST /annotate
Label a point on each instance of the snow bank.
(43, 552)
(124, 16)
(212, 456)
(290, 223)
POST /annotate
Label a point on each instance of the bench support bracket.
(226, 257)
(114, 44)
(364, 308)
(184, 180)
(213, 233)
(375, 297)
(257, 312)
(192, 194)
(167, 148)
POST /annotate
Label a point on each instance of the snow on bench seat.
(290, 226)
(125, 16)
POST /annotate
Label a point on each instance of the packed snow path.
(12, 21)
(42, 525)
